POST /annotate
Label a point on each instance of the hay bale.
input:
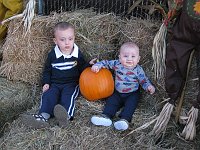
(24, 55)
(98, 35)
(15, 97)
(141, 32)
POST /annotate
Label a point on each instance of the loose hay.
(98, 35)
(79, 135)
(82, 135)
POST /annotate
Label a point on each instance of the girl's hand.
(45, 88)
(151, 89)
(95, 68)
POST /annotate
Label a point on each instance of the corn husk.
(189, 131)
(159, 52)
(162, 120)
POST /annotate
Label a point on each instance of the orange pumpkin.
(95, 86)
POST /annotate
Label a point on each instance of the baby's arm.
(104, 64)
(93, 61)
(144, 81)
(151, 89)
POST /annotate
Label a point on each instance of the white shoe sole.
(121, 125)
(101, 121)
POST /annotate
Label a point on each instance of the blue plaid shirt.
(126, 80)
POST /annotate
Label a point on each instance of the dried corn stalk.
(144, 126)
(162, 120)
(189, 132)
(159, 52)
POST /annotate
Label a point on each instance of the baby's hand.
(45, 88)
(93, 61)
(151, 89)
(95, 68)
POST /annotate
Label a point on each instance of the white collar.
(59, 53)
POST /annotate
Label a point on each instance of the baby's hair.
(129, 44)
(63, 26)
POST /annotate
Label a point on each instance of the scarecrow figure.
(8, 8)
(185, 38)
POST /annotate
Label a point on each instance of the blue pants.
(63, 94)
(118, 100)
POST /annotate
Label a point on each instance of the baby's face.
(129, 57)
(65, 40)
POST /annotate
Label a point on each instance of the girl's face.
(129, 57)
(65, 40)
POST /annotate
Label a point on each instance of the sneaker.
(101, 121)
(35, 121)
(61, 115)
(122, 125)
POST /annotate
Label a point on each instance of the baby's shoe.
(61, 115)
(101, 120)
(121, 124)
(35, 121)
